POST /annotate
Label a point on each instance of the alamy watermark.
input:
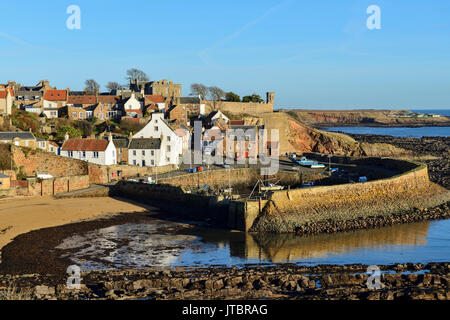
(235, 146)
(74, 20)
(374, 281)
(74, 279)
(374, 20)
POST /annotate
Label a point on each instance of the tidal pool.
(162, 243)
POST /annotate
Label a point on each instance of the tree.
(113, 86)
(216, 93)
(232, 97)
(86, 127)
(92, 87)
(253, 98)
(73, 133)
(133, 74)
(198, 89)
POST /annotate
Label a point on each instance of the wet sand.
(22, 215)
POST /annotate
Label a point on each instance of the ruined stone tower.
(270, 98)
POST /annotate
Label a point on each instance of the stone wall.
(224, 177)
(49, 187)
(104, 174)
(239, 107)
(34, 162)
(287, 211)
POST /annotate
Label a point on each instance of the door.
(143, 163)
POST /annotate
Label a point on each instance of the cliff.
(364, 118)
(295, 136)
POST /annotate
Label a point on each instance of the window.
(95, 155)
(143, 152)
(134, 162)
(70, 154)
(156, 128)
(74, 114)
(81, 115)
(168, 148)
(153, 162)
(84, 154)
(168, 138)
(134, 152)
(152, 153)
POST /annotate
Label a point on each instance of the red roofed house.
(6, 100)
(154, 103)
(101, 152)
(53, 101)
(81, 101)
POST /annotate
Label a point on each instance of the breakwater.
(384, 201)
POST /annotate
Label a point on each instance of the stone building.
(20, 139)
(164, 88)
(145, 152)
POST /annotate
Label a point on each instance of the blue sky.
(313, 54)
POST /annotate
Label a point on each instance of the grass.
(15, 293)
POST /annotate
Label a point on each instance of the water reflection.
(162, 243)
(289, 248)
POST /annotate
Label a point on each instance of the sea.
(418, 132)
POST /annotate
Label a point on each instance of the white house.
(101, 152)
(6, 101)
(145, 152)
(171, 142)
(133, 107)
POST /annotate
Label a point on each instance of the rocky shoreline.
(418, 214)
(323, 282)
(324, 125)
(439, 147)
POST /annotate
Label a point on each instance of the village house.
(47, 146)
(6, 100)
(192, 105)
(145, 152)
(81, 101)
(98, 151)
(54, 100)
(34, 107)
(171, 142)
(121, 145)
(21, 139)
(26, 95)
(215, 117)
(75, 113)
(132, 107)
(154, 103)
(177, 114)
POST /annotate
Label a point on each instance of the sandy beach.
(22, 215)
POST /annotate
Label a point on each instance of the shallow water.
(161, 243)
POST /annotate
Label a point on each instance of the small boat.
(271, 187)
(310, 163)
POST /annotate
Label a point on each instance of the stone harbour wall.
(295, 210)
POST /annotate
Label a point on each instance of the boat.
(304, 162)
(271, 187)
